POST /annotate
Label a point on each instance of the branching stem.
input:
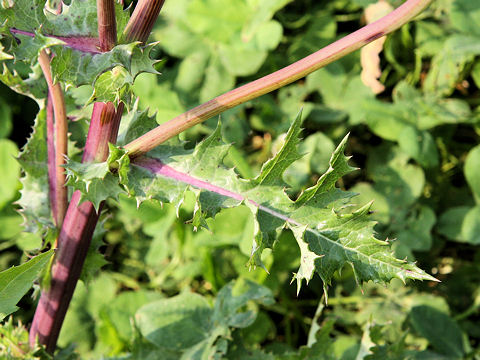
(81, 218)
(278, 79)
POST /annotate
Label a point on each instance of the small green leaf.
(16, 281)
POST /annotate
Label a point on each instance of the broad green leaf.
(321, 31)
(188, 325)
(439, 329)
(16, 281)
(471, 226)
(233, 297)
(176, 323)
(341, 89)
(411, 112)
(429, 38)
(476, 74)
(158, 97)
(402, 183)
(450, 222)
(461, 224)
(472, 165)
(417, 235)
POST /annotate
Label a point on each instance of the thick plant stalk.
(278, 79)
(81, 219)
(107, 24)
(75, 235)
(57, 142)
(143, 18)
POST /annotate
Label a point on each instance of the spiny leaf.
(34, 201)
(34, 86)
(94, 180)
(134, 124)
(273, 169)
(328, 237)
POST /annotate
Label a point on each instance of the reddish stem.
(107, 25)
(143, 18)
(52, 180)
(81, 219)
(75, 236)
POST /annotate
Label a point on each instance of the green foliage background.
(168, 290)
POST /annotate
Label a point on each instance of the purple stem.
(80, 43)
(75, 235)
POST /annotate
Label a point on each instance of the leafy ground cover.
(176, 284)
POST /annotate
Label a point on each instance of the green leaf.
(420, 145)
(472, 164)
(188, 325)
(464, 14)
(450, 222)
(233, 297)
(218, 40)
(16, 281)
(449, 64)
(176, 323)
(439, 329)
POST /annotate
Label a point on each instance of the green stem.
(278, 79)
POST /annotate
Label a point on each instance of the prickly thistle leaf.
(328, 237)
